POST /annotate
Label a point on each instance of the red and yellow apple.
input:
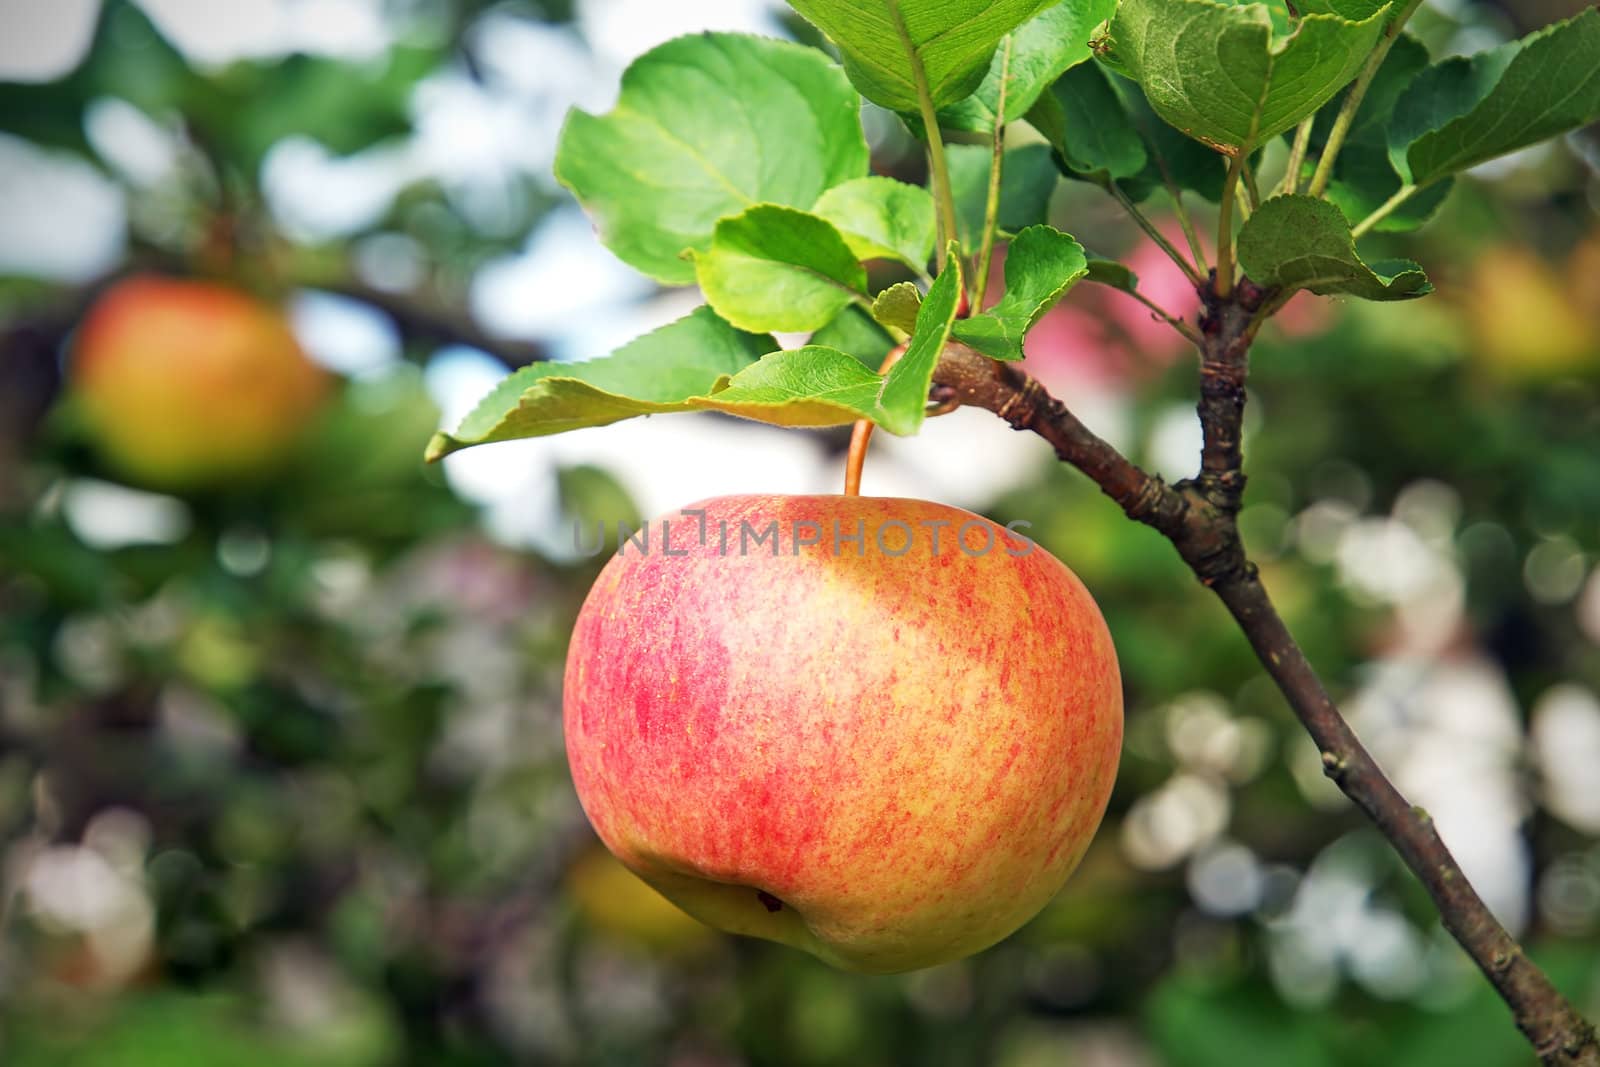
(883, 731)
(190, 384)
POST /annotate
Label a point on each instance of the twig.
(417, 317)
(1551, 1024)
(1224, 362)
(1199, 517)
(975, 380)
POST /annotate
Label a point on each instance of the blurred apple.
(189, 384)
(616, 902)
(1527, 324)
(1583, 275)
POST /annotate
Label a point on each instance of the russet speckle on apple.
(801, 719)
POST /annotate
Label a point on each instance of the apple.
(1527, 325)
(883, 731)
(190, 384)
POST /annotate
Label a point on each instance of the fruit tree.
(738, 164)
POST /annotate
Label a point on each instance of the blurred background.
(281, 774)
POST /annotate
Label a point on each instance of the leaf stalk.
(1384, 210)
(991, 211)
(1230, 185)
(1153, 233)
(1290, 183)
(938, 168)
(1352, 100)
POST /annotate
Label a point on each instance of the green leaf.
(1223, 76)
(658, 372)
(1103, 129)
(1042, 49)
(810, 386)
(1350, 10)
(705, 127)
(1111, 273)
(699, 363)
(884, 41)
(1041, 265)
(775, 268)
(1299, 242)
(1087, 124)
(1191, 165)
(1027, 180)
(897, 306)
(592, 496)
(853, 332)
(881, 218)
(1467, 110)
(903, 401)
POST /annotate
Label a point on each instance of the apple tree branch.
(1199, 516)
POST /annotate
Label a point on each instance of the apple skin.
(190, 384)
(891, 761)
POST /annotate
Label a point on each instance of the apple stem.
(861, 433)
